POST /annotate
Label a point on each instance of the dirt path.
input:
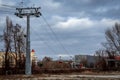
(61, 77)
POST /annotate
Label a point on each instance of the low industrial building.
(84, 61)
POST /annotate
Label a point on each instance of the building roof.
(33, 50)
(117, 57)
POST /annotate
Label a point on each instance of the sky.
(78, 26)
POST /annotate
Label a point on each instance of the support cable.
(49, 26)
(38, 36)
(8, 6)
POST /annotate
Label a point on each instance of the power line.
(10, 6)
(54, 34)
(44, 42)
(32, 29)
(3, 12)
(38, 35)
(21, 12)
(46, 23)
(6, 8)
(6, 11)
(35, 32)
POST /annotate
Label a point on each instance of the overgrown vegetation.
(14, 47)
(107, 56)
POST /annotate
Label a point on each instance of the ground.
(71, 76)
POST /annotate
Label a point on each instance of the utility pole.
(21, 12)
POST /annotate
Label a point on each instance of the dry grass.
(54, 77)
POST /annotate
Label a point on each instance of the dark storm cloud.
(78, 24)
(100, 8)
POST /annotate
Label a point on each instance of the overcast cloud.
(78, 24)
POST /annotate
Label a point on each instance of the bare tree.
(112, 46)
(19, 45)
(101, 63)
(8, 41)
(14, 42)
(113, 40)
